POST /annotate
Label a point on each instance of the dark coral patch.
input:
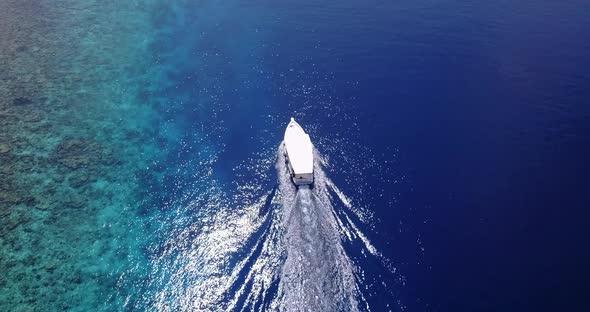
(77, 153)
(12, 221)
(13, 196)
(80, 179)
(19, 101)
(74, 202)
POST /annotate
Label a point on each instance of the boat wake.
(284, 249)
(317, 275)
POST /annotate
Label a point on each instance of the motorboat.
(298, 154)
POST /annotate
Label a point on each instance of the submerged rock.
(4, 148)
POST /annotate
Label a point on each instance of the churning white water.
(317, 275)
(261, 250)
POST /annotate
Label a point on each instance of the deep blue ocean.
(141, 166)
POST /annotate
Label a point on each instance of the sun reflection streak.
(262, 250)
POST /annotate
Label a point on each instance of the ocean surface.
(141, 166)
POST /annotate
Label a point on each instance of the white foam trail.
(317, 274)
(270, 253)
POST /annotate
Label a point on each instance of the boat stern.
(302, 179)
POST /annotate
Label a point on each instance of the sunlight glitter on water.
(282, 251)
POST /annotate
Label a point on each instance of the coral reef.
(76, 153)
(70, 79)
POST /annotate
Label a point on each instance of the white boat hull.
(298, 154)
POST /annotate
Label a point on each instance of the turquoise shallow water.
(74, 133)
